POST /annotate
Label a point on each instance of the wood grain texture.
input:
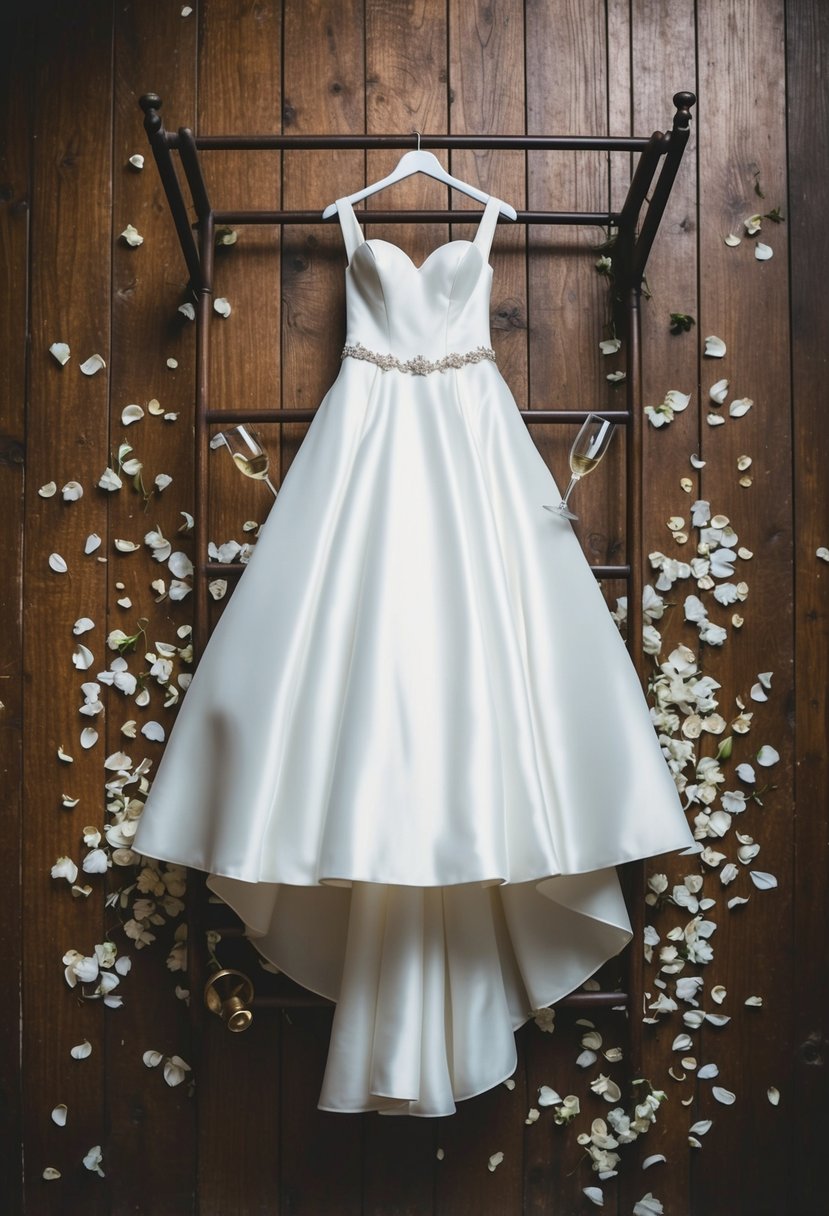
(16, 46)
(153, 48)
(66, 439)
(807, 24)
(746, 302)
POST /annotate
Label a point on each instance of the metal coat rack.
(636, 225)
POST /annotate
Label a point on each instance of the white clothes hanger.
(421, 162)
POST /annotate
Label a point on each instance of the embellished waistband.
(419, 365)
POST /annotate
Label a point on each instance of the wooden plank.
(670, 361)
(406, 45)
(745, 302)
(486, 94)
(568, 300)
(66, 440)
(807, 29)
(239, 88)
(16, 56)
(154, 51)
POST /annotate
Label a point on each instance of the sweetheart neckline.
(493, 199)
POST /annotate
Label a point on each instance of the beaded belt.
(418, 366)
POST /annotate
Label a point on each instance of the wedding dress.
(415, 747)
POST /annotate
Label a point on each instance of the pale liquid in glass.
(252, 466)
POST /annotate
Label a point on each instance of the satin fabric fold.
(415, 745)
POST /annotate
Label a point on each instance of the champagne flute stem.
(270, 486)
(569, 489)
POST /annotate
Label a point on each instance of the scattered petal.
(65, 867)
(72, 491)
(822, 553)
(702, 1128)
(132, 236)
(718, 994)
(714, 347)
(739, 407)
(753, 224)
(725, 1096)
(494, 1161)
(59, 1114)
(109, 480)
(131, 413)
(595, 1194)
(532, 1116)
(154, 731)
(732, 240)
(89, 737)
(648, 1206)
(762, 880)
(649, 1161)
(187, 310)
(92, 365)
(172, 363)
(707, 1072)
(57, 563)
(719, 391)
(50, 1173)
(126, 546)
(763, 252)
(152, 1058)
(440, 1154)
(547, 1096)
(137, 160)
(767, 756)
(82, 625)
(175, 1070)
(221, 306)
(773, 1095)
(62, 755)
(81, 1050)
(610, 346)
(715, 420)
(60, 351)
(82, 657)
(754, 1002)
(162, 480)
(92, 542)
(696, 462)
(93, 1159)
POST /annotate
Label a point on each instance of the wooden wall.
(247, 1137)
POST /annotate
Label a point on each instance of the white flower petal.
(739, 407)
(131, 413)
(763, 252)
(57, 563)
(59, 1114)
(773, 1095)
(152, 1058)
(60, 351)
(50, 489)
(89, 737)
(653, 1160)
(92, 542)
(725, 1096)
(162, 480)
(109, 480)
(62, 755)
(82, 625)
(696, 462)
(50, 1173)
(822, 553)
(154, 731)
(92, 365)
(132, 236)
(595, 1194)
(172, 363)
(137, 160)
(82, 657)
(719, 391)
(762, 880)
(648, 1206)
(767, 756)
(65, 867)
(126, 546)
(702, 1128)
(732, 240)
(610, 346)
(714, 347)
(547, 1096)
(222, 306)
(494, 1161)
(754, 1002)
(715, 420)
(707, 1072)
(81, 1050)
(93, 1160)
(72, 491)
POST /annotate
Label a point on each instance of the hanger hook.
(417, 133)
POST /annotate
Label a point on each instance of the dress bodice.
(436, 309)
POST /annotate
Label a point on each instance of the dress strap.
(486, 227)
(351, 230)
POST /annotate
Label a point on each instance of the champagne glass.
(249, 456)
(588, 448)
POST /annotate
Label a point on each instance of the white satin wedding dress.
(415, 746)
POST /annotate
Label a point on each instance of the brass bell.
(228, 994)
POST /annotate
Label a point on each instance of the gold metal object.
(228, 994)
